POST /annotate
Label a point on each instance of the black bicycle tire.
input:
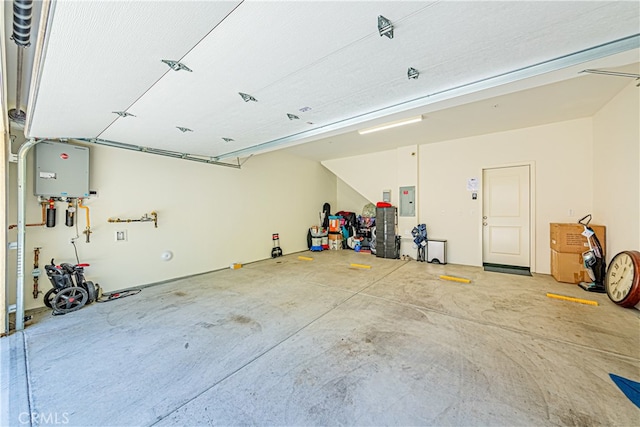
(47, 297)
(91, 291)
(61, 305)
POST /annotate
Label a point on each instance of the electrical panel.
(408, 201)
(61, 170)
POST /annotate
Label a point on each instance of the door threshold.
(507, 269)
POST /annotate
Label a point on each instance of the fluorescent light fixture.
(391, 125)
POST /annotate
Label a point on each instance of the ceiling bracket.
(385, 27)
(293, 117)
(123, 114)
(412, 73)
(176, 65)
(246, 97)
(183, 130)
(612, 73)
(240, 164)
(228, 139)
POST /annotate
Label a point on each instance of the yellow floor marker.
(359, 266)
(578, 300)
(305, 258)
(455, 279)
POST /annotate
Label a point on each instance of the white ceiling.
(565, 100)
(324, 62)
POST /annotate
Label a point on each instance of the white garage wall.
(348, 199)
(616, 169)
(562, 153)
(208, 216)
(371, 174)
(368, 174)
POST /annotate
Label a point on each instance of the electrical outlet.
(121, 236)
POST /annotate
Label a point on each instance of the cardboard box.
(568, 238)
(568, 268)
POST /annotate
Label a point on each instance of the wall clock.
(622, 281)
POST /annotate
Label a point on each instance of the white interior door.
(506, 216)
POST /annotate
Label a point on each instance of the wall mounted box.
(408, 201)
(61, 170)
(437, 251)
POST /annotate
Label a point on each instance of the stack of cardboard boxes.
(567, 246)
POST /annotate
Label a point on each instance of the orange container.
(334, 224)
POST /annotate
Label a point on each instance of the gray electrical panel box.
(61, 170)
(408, 201)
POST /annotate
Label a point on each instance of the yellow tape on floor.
(305, 258)
(360, 266)
(455, 279)
(572, 299)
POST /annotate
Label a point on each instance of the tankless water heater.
(61, 170)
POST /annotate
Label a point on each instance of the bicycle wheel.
(91, 291)
(49, 296)
(69, 299)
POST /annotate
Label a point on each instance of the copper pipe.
(44, 218)
(145, 218)
(87, 230)
(36, 265)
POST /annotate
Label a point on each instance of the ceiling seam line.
(166, 72)
(348, 45)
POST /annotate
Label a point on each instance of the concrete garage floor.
(292, 342)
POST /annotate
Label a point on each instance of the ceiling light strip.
(160, 152)
(572, 59)
(390, 125)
